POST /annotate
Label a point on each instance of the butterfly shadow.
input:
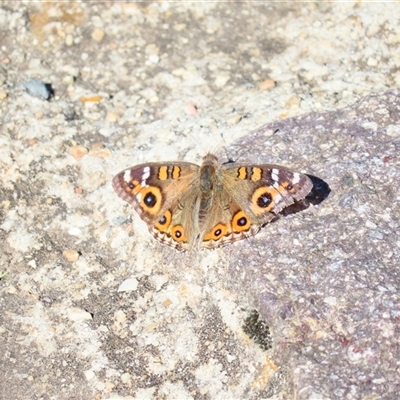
(319, 192)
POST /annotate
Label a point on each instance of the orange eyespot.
(133, 186)
(263, 199)
(151, 199)
(288, 186)
(240, 222)
(178, 234)
(217, 232)
(163, 224)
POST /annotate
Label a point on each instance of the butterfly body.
(188, 206)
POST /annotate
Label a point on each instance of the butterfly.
(188, 206)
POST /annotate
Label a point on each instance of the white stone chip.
(128, 285)
(78, 314)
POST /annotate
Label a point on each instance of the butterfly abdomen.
(207, 187)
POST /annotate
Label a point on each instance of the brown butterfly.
(188, 206)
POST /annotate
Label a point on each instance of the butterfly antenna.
(193, 137)
(228, 156)
(190, 133)
(223, 143)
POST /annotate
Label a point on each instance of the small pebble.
(167, 303)
(154, 58)
(89, 374)
(91, 99)
(78, 314)
(112, 117)
(235, 120)
(71, 255)
(78, 151)
(128, 285)
(126, 378)
(69, 40)
(221, 80)
(98, 35)
(267, 84)
(191, 109)
(38, 88)
(99, 151)
(293, 102)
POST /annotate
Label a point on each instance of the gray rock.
(327, 280)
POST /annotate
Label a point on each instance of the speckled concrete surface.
(91, 306)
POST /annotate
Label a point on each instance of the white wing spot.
(127, 176)
(145, 176)
(296, 178)
(146, 173)
(274, 174)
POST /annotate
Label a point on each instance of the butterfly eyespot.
(288, 186)
(264, 200)
(217, 232)
(177, 233)
(150, 199)
(163, 224)
(133, 186)
(240, 222)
